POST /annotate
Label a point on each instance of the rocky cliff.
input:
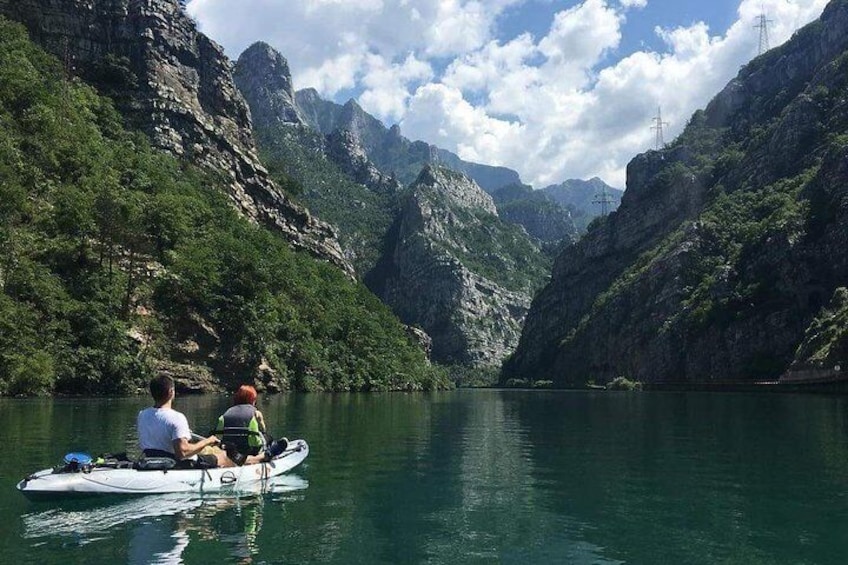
(457, 271)
(822, 354)
(332, 173)
(262, 75)
(437, 253)
(726, 244)
(175, 84)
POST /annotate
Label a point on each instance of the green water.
(464, 477)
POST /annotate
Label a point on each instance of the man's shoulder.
(168, 414)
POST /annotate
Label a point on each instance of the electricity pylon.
(658, 127)
(763, 26)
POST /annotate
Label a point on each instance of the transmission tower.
(603, 199)
(658, 127)
(763, 25)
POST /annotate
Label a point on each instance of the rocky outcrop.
(319, 114)
(472, 319)
(725, 245)
(823, 355)
(344, 149)
(439, 256)
(175, 84)
(263, 77)
(332, 173)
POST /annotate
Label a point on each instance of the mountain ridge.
(724, 249)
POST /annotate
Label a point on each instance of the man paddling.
(164, 432)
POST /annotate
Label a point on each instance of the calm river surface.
(464, 477)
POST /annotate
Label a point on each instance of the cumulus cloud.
(387, 85)
(566, 104)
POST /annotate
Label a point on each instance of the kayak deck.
(106, 480)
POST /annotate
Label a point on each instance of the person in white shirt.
(164, 432)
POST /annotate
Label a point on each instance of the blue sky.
(554, 89)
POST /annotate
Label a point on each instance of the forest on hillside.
(111, 252)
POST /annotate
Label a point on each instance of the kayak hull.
(104, 480)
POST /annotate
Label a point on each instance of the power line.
(658, 127)
(603, 199)
(763, 25)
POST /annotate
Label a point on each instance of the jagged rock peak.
(263, 76)
(460, 189)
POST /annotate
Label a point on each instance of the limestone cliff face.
(263, 77)
(335, 177)
(175, 84)
(437, 253)
(472, 319)
(345, 150)
(724, 249)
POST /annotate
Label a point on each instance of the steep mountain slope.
(175, 84)
(330, 173)
(118, 261)
(457, 271)
(727, 243)
(447, 273)
(388, 149)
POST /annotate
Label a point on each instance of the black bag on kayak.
(155, 464)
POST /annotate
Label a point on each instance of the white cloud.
(387, 85)
(564, 105)
(581, 34)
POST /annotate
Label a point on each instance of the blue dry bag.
(80, 458)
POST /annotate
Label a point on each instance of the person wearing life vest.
(242, 426)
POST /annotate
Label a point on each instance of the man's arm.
(183, 449)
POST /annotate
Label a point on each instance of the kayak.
(94, 479)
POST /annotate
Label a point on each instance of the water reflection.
(469, 477)
(161, 527)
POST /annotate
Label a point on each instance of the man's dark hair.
(160, 388)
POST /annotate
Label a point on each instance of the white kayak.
(106, 480)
